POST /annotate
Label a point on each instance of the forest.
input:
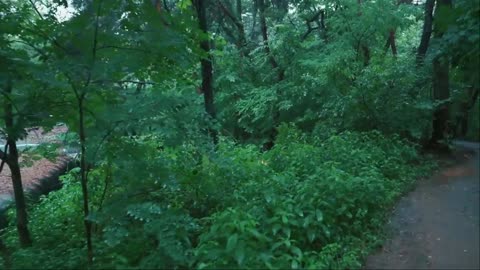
(226, 134)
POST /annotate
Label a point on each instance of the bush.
(313, 201)
(317, 198)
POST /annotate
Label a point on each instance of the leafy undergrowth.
(313, 201)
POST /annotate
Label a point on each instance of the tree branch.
(123, 81)
(122, 48)
(236, 21)
(94, 48)
(308, 22)
(36, 10)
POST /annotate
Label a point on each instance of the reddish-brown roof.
(38, 169)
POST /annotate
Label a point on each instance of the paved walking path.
(436, 226)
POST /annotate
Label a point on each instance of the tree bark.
(84, 179)
(20, 205)
(361, 45)
(441, 92)
(237, 21)
(281, 73)
(266, 46)
(12, 162)
(391, 43)
(206, 66)
(426, 32)
(254, 19)
(441, 89)
(322, 27)
(465, 107)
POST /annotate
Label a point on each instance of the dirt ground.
(436, 226)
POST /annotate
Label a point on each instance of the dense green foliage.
(320, 126)
(310, 202)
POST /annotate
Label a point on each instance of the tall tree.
(426, 32)
(361, 43)
(206, 65)
(266, 45)
(275, 66)
(10, 157)
(441, 70)
(236, 19)
(22, 105)
(391, 42)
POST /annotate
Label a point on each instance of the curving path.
(436, 226)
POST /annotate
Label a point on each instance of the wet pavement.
(436, 226)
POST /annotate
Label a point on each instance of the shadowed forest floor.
(436, 226)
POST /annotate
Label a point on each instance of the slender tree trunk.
(254, 19)
(207, 67)
(391, 43)
(12, 161)
(441, 92)
(239, 23)
(366, 54)
(264, 30)
(422, 51)
(241, 42)
(361, 45)
(280, 73)
(426, 33)
(20, 205)
(321, 26)
(84, 178)
(441, 89)
(465, 107)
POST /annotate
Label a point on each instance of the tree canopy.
(229, 133)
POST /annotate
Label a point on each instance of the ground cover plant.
(227, 134)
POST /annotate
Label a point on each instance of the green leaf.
(311, 235)
(240, 255)
(232, 242)
(202, 266)
(297, 252)
(319, 215)
(276, 228)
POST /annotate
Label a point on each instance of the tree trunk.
(207, 67)
(237, 21)
(84, 178)
(391, 43)
(426, 33)
(20, 205)
(465, 107)
(321, 26)
(365, 54)
(264, 30)
(441, 92)
(254, 19)
(12, 162)
(361, 45)
(281, 73)
(441, 89)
